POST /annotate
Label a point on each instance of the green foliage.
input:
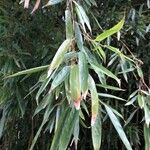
(65, 85)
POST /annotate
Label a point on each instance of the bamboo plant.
(79, 71)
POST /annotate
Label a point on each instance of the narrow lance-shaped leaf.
(104, 70)
(65, 129)
(147, 115)
(69, 25)
(110, 32)
(75, 86)
(29, 71)
(83, 72)
(59, 56)
(78, 36)
(117, 51)
(94, 100)
(52, 2)
(60, 77)
(146, 137)
(69, 126)
(110, 87)
(45, 119)
(111, 96)
(97, 132)
(118, 127)
(84, 16)
(81, 19)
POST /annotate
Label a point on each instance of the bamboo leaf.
(94, 100)
(110, 32)
(28, 71)
(117, 51)
(82, 15)
(75, 86)
(102, 69)
(58, 58)
(110, 87)
(69, 25)
(146, 137)
(60, 77)
(118, 127)
(97, 132)
(83, 72)
(78, 36)
(65, 129)
(110, 96)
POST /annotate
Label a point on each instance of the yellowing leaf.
(110, 32)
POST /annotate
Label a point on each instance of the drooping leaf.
(75, 86)
(104, 70)
(83, 72)
(147, 115)
(58, 58)
(146, 137)
(82, 15)
(69, 25)
(97, 132)
(94, 100)
(60, 77)
(45, 119)
(118, 127)
(47, 100)
(65, 129)
(78, 36)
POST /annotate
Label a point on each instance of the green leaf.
(110, 87)
(78, 36)
(42, 88)
(76, 132)
(97, 132)
(110, 32)
(141, 101)
(147, 115)
(117, 51)
(69, 126)
(104, 70)
(82, 16)
(110, 96)
(29, 71)
(69, 25)
(94, 100)
(118, 127)
(47, 100)
(83, 72)
(140, 72)
(75, 85)
(45, 119)
(58, 58)
(60, 77)
(65, 129)
(146, 137)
